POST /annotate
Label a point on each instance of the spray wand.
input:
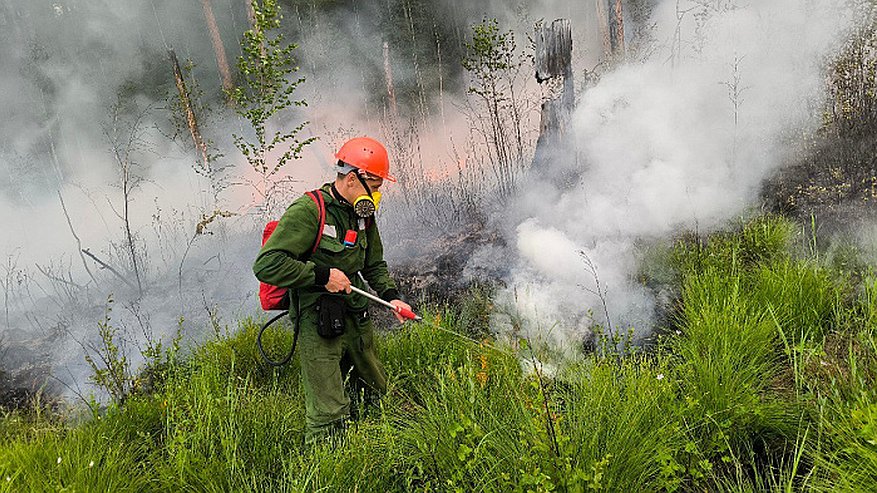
(408, 314)
(403, 312)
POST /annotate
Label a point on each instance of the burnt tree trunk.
(554, 73)
(191, 119)
(218, 48)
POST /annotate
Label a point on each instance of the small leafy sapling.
(265, 90)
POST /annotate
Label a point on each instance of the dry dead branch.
(76, 237)
(191, 118)
(104, 265)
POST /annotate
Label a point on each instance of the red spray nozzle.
(406, 313)
(403, 312)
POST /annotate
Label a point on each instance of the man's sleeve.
(278, 261)
(375, 271)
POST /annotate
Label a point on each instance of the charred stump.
(444, 271)
(554, 73)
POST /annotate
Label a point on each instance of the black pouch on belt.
(330, 316)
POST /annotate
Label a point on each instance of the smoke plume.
(681, 141)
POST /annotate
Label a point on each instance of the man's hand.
(338, 282)
(400, 304)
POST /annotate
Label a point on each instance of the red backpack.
(274, 297)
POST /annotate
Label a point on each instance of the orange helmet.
(368, 155)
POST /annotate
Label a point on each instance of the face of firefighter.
(355, 189)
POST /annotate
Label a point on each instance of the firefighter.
(336, 340)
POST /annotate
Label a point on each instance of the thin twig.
(600, 292)
(76, 237)
(55, 278)
(77, 392)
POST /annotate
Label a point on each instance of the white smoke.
(681, 141)
(68, 63)
(658, 139)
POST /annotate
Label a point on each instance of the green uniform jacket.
(285, 259)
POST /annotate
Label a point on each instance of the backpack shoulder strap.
(317, 197)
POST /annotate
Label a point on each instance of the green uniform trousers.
(326, 364)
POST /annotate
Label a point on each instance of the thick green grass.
(765, 381)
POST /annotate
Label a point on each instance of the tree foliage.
(266, 88)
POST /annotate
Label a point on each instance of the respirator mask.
(367, 204)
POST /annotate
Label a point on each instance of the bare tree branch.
(76, 237)
(108, 267)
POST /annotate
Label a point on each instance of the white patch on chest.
(329, 230)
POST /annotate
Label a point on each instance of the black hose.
(288, 357)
